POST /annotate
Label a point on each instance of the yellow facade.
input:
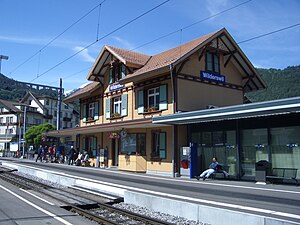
(184, 90)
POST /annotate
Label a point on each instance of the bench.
(219, 174)
(281, 174)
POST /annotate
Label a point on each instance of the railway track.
(85, 204)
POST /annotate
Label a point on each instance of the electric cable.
(89, 45)
(56, 37)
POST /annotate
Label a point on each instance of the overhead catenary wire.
(108, 34)
(269, 33)
(190, 25)
(57, 36)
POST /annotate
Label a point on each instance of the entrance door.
(115, 152)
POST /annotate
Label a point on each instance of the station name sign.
(204, 75)
(116, 86)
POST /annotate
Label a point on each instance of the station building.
(131, 109)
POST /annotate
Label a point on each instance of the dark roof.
(11, 105)
(268, 108)
(82, 92)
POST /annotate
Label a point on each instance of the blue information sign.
(116, 86)
(204, 75)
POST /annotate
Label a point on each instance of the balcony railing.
(67, 119)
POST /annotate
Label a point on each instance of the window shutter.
(96, 113)
(162, 145)
(107, 108)
(110, 75)
(163, 97)
(94, 147)
(84, 113)
(123, 71)
(141, 101)
(124, 105)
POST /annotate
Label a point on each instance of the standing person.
(71, 155)
(212, 168)
(44, 153)
(40, 151)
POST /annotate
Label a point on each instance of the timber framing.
(198, 79)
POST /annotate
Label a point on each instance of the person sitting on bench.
(213, 167)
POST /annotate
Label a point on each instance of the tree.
(35, 133)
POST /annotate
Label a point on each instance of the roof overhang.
(270, 108)
(117, 126)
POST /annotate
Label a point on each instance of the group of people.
(77, 158)
(52, 154)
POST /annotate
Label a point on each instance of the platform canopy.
(269, 108)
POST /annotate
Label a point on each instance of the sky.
(41, 37)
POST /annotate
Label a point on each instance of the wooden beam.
(227, 61)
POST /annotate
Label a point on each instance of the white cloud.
(124, 43)
(84, 54)
(215, 6)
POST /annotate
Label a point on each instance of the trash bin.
(262, 168)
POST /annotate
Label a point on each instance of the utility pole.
(1, 58)
(24, 129)
(59, 105)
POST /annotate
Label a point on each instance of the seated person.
(78, 160)
(213, 167)
(85, 160)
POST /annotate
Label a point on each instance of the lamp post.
(2, 57)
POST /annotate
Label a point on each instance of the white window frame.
(153, 95)
(117, 105)
(91, 110)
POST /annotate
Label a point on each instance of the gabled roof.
(82, 92)
(161, 62)
(35, 98)
(129, 57)
(9, 105)
(170, 56)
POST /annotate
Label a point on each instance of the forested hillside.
(280, 84)
(14, 90)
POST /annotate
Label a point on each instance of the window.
(38, 121)
(90, 111)
(159, 145)
(153, 99)
(117, 102)
(212, 62)
(117, 72)
(11, 119)
(47, 101)
(116, 107)
(134, 144)
(89, 145)
(55, 113)
(66, 106)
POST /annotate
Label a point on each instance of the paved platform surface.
(278, 201)
(21, 207)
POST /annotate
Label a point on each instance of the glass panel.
(254, 148)
(285, 151)
(231, 152)
(128, 144)
(209, 65)
(141, 144)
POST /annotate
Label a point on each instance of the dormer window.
(116, 72)
(212, 62)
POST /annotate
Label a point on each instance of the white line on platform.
(50, 203)
(218, 204)
(37, 207)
